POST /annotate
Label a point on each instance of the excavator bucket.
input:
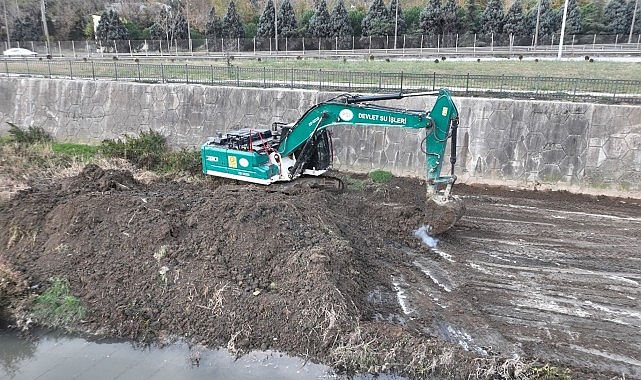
(442, 213)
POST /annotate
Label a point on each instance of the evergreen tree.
(319, 26)
(592, 19)
(266, 21)
(451, 24)
(513, 23)
(472, 17)
(377, 22)
(412, 16)
(616, 17)
(28, 28)
(287, 24)
(356, 17)
(573, 20)
(402, 26)
(111, 28)
(214, 26)
(548, 22)
(431, 19)
(492, 17)
(341, 26)
(232, 27)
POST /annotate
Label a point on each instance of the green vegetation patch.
(82, 151)
(380, 176)
(56, 306)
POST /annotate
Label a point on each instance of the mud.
(346, 279)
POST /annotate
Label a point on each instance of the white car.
(19, 52)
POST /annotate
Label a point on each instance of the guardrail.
(504, 86)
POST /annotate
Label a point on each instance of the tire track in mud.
(541, 278)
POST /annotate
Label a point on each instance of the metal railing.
(452, 44)
(504, 86)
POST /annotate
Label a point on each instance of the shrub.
(146, 150)
(31, 135)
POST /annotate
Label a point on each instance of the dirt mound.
(311, 273)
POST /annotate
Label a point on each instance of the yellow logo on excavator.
(444, 111)
(232, 161)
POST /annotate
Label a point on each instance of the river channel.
(50, 356)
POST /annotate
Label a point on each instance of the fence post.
(211, 71)
(254, 45)
(59, 48)
(401, 81)
(264, 77)
(350, 80)
(28, 71)
(380, 80)
(594, 41)
(467, 84)
(49, 67)
(187, 73)
(501, 84)
(115, 47)
(162, 72)
(6, 67)
(576, 83)
(320, 79)
(93, 71)
(73, 48)
(138, 66)
(492, 42)
(131, 51)
(421, 44)
(614, 92)
(434, 81)
(70, 71)
(237, 76)
(292, 85)
(116, 71)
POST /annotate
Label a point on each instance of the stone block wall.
(500, 141)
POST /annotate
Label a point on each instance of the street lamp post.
(565, 16)
(276, 26)
(396, 24)
(6, 23)
(634, 17)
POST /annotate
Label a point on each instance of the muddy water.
(61, 357)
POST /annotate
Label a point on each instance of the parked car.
(19, 52)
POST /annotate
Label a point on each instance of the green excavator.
(302, 150)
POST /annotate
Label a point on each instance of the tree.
(637, 23)
(214, 25)
(431, 19)
(232, 27)
(513, 21)
(111, 28)
(171, 24)
(450, 20)
(402, 26)
(616, 17)
(472, 17)
(377, 22)
(287, 24)
(266, 21)
(592, 19)
(573, 20)
(319, 26)
(356, 17)
(341, 26)
(29, 28)
(548, 20)
(492, 17)
(412, 16)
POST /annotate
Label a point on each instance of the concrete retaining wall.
(584, 147)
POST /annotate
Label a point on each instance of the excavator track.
(301, 184)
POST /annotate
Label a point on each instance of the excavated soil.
(343, 278)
